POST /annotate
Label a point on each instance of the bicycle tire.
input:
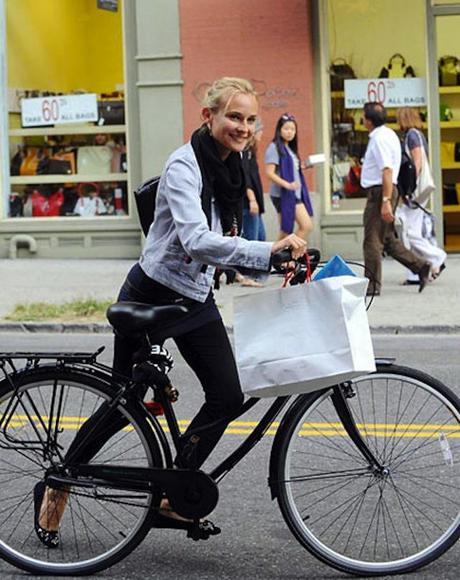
(95, 531)
(356, 520)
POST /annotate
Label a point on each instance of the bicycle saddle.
(135, 316)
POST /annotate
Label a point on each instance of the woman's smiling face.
(233, 124)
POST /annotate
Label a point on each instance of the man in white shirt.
(379, 176)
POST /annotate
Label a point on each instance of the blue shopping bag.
(335, 267)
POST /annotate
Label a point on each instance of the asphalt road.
(255, 542)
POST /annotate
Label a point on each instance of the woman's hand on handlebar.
(296, 245)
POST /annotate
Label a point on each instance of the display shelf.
(449, 124)
(451, 208)
(452, 165)
(67, 130)
(454, 90)
(76, 178)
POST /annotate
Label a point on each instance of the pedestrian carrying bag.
(302, 338)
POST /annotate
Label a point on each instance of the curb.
(56, 327)
(104, 328)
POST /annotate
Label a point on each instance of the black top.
(253, 181)
(139, 287)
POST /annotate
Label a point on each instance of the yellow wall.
(447, 35)
(368, 32)
(63, 45)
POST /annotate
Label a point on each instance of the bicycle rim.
(364, 522)
(99, 526)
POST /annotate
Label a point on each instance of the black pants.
(207, 350)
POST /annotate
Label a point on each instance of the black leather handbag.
(50, 166)
(111, 112)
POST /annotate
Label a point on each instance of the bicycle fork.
(339, 400)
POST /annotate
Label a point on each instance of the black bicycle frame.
(143, 478)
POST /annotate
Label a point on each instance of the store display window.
(448, 58)
(66, 110)
(371, 42)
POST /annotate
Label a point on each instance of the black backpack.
(407, 177)
(145, 196)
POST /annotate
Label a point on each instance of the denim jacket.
(180, 242)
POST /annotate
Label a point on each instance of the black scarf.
(222, 180)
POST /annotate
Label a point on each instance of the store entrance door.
(447, 44)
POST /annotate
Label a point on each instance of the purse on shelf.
(89, 202)
(447, 152)
(449, 71)
(94, 160)
(52, 166)
(339, 71)
(396, 68)
(47, 205)
(450, 194)
(30, 161)
(352, 185)
(111, 112)
(457, 152)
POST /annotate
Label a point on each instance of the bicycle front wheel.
(38, 422)
(353, 517)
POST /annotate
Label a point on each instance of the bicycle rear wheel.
(348, 515)
(100, 526)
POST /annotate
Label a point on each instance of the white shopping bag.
(302, 338)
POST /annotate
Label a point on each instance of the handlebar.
(282, 263)
(284, 256)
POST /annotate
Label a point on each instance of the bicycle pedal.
(203, 530)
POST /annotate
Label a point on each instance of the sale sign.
(57, 110)
(392, 92)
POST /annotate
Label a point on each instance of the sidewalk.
(398, 309)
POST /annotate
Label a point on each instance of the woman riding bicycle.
(197, 221)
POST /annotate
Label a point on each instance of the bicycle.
(364, 472)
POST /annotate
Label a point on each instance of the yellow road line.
(312, 429)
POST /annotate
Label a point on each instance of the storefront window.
(368, 41)
(67, 146)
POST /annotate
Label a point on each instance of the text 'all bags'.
(302, 338)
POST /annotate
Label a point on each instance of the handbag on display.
(447, 150)
(352, 184)
(339, 71)
(457, 153)
(52, 166)
(111, 112)
(31, 158)
(47, 205)
(396, 68)
(340, 171)
(449, 194)
(94, 160)
(89, 202)
(449, 71)
(322, 337)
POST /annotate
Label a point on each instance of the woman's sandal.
(197, 530)
(49, 538)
